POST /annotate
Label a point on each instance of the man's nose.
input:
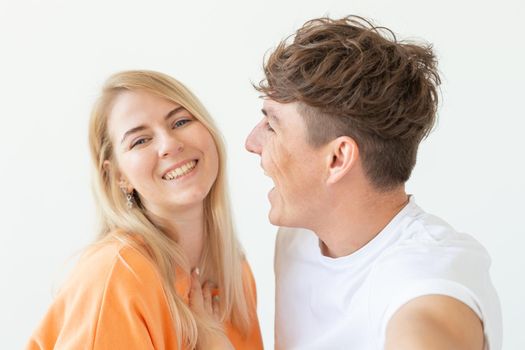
(254, 140)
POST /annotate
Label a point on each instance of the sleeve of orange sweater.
(113, 300)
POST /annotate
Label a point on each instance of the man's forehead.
(270, 114)
(285, 117)
(271, 107)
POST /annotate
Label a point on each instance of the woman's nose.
(170, 145)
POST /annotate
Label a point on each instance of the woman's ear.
(123, 183)
(343, 153)
(106, 166)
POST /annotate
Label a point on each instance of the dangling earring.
(129, 199)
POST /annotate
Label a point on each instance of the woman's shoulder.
(116, 289)
(112, 264)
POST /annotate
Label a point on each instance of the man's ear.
(123, 183)
(342, 156)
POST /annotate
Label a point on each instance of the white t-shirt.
(345, 303)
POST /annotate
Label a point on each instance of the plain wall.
(54, 56)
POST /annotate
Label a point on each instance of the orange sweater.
(114, 300)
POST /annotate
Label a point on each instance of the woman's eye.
(269, 127)
(138, 142)
(180, 123)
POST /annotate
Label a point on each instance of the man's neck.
(353, 223)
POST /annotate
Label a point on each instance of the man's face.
(296, 168)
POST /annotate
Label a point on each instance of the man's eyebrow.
(142, 127)
(270, 115)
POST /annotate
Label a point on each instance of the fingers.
(211, 299)
(196, 298)
(206, 294)
(216, 306)
(203, 299)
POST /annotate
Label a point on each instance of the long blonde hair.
(222, 257)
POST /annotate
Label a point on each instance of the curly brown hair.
(356, 79)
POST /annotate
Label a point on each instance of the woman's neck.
(186, 227)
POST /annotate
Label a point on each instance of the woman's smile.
(180, 171)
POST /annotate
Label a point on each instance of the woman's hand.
(207, 307)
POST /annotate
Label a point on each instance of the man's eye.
(180, 122)
(269, 127)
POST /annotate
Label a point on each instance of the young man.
(359, 264)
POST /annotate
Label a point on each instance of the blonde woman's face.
(162, 152)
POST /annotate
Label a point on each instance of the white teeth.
(180, 171)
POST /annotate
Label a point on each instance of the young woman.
(166, 271)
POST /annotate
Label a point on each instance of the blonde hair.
(222, 257)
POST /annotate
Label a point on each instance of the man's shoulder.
(432, 258)
(429, 247)
(418, 230)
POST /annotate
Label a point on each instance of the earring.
(129, 200)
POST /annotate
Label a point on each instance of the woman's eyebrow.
(174, 111)
(142, 127)
(131, 131)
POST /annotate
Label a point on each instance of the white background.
(54, 56)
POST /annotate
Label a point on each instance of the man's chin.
(274, 218)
